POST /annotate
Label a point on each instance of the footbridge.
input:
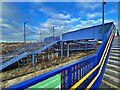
(86, 73)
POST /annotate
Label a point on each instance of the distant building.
(51, 39)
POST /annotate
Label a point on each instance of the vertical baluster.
(69, 77)
(73, 75)
(64, 77)
(76, 73)
(83, 73)
(80, 73)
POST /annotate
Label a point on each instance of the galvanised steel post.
(68, 49)
(53, 39)
(24, 34)
(53, 33)
(33, 62)
(41, 37)
(119, 17)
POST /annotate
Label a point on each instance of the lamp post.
(53, 40)
(53, 33)
(41, 37)
(103, 3)
(119, 17)
(24, 34)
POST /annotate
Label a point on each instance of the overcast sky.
(41, 16)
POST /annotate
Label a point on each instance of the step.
(115, 45)
(115, 54)
(103, 85)
(109, 85)
(114, 58)
(115, 48)
(113, 67)
(112, 73)
(114, 62)
(115, 51)
(113, 80)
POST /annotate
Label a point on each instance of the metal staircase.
(111, 78)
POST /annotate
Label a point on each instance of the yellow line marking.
(114, 78)
(116, 57)
(114, 61)
(113, 66)
(111, 71)
(114, 86)
(114, 51)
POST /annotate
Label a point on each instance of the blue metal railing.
(82, 64)
(98, 81)
(76, 71)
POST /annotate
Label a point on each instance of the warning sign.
(50, 83)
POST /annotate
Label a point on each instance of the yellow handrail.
(89, 86)
(87, 75)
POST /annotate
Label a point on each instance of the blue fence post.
(33, 59)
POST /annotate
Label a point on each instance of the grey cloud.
(11, 12)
